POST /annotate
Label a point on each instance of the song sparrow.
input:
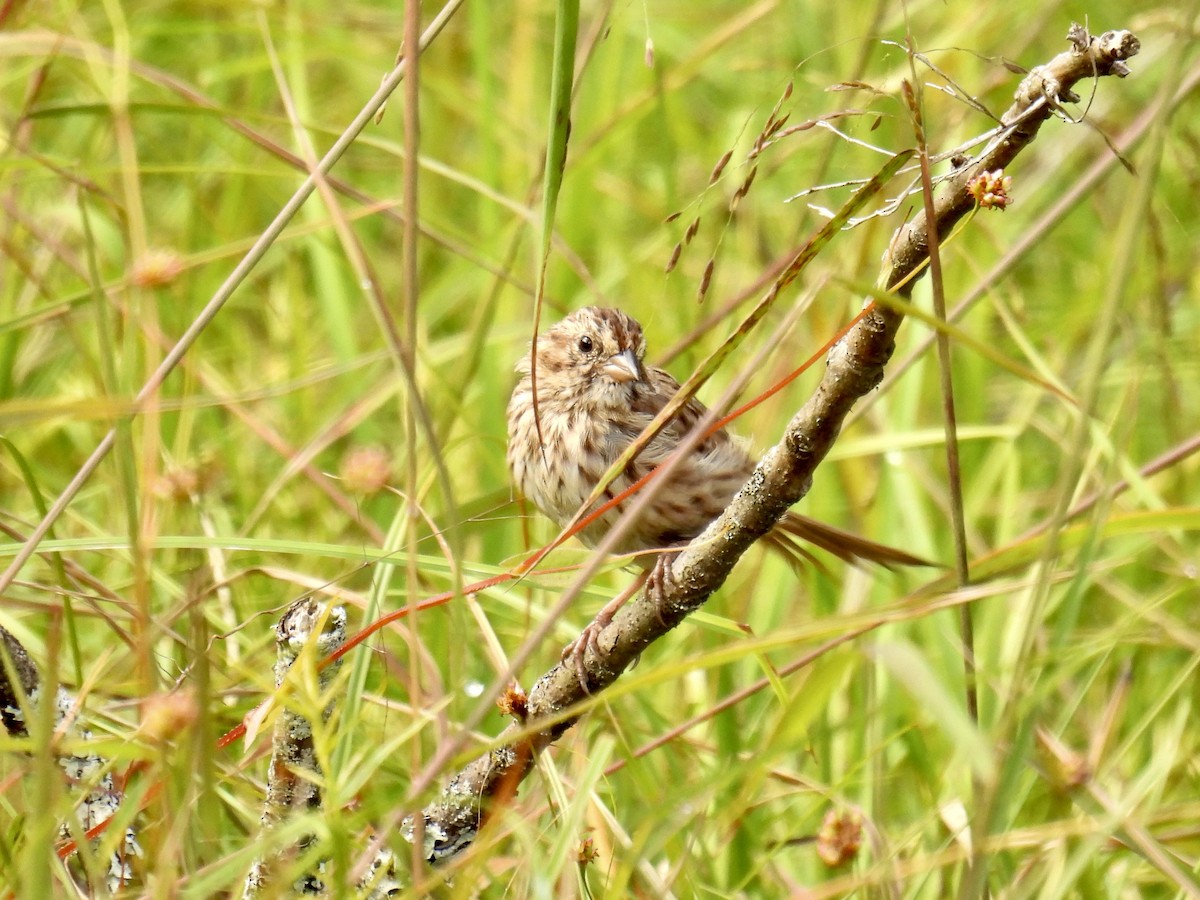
(595, 395)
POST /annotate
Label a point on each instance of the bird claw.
(660, 583)
(575, 653)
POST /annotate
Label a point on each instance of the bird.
(595, 395)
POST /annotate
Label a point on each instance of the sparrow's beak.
(622, 368)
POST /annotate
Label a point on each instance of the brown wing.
(661, 387)
(716, 471)
(700, 486)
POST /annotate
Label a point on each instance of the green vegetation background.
(147, 145)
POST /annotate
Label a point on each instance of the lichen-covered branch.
(20, 691)
(18, 685)
(855, 367)
(293, 772)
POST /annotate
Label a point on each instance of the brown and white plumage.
(595, 396)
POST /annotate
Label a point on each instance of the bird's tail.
(842, 544)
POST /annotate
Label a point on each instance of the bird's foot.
(660, 583)
(575, 653)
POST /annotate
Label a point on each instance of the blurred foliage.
(146, 147)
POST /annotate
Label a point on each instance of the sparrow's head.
(595, 352)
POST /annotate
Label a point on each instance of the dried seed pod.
(674, 260)
(720, 167)
(840, 837)
(741, 192)
(775, 124)
(705, 280)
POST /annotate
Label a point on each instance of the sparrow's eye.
(585, 344)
